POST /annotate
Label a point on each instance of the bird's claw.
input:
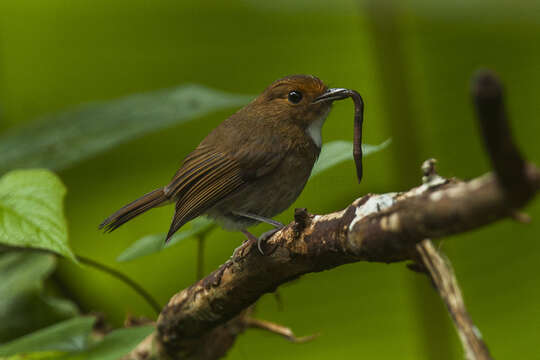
(265, 236)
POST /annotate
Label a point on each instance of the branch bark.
(442, 275)
(202, 321)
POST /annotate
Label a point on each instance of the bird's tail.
(135, 208)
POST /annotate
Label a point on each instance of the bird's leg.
(265, 236)
(254, 239)
(249, 236)
(263, 219)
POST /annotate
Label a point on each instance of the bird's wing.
(209, 175)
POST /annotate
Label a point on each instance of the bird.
(252, 166)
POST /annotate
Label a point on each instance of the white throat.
(314, 130)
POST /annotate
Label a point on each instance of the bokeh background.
(411, 60)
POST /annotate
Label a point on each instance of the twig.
(439, 270)
(520, 217)
(508, 164)
(99, 266)
(441, 273)
(277, 329)
(125, 279)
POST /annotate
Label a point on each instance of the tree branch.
(202, 321)
(442, 275)
(276, 329)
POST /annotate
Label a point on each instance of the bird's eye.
(294, 97)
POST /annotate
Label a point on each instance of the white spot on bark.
(329, 217)
(374, 204)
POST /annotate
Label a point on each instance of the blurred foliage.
(70, 335)
(153, 243)
(411, 61)
(61, 140)
(336, 152)
(73, 340)
(32, 211)
(114, 345)
(25, 305)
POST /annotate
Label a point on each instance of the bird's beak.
(332, 94)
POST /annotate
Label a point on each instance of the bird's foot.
(265, 236)
(261, 239)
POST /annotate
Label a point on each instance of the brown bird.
(252, 166)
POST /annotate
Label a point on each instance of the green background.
(411, 60)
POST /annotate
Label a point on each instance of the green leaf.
(154, 243)
(336, 152)
(23, 305)
(115, 345)
(32, 211)
(57, 141)
(70, 335)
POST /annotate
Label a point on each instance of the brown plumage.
(256, 162)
